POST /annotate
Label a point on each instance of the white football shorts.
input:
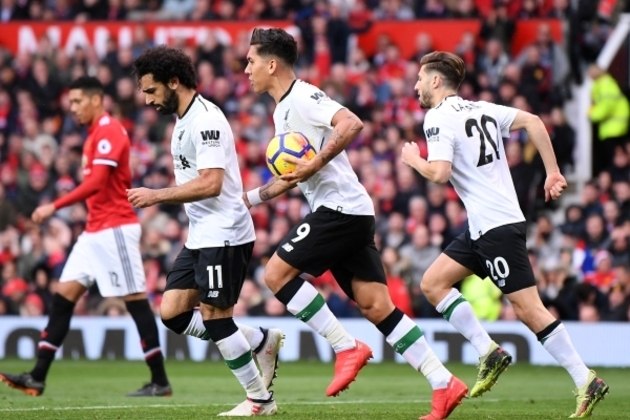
(111, 258)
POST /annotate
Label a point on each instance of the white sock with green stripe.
(407, 339)
(456, 310)
(309, 306)
(238, 357)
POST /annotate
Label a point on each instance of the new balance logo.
(210, 135)
(287, 247)
(213, 294)
(180, 135)
(184, 161)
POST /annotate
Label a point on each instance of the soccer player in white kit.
(339, 233)
(212, 266)
(108, 252)
(465, 147)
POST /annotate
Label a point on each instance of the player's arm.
(207, 185)
(537, 133)
(90, 186)
(271, 189)
(438, 171)
(346, 127)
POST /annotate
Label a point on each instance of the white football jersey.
(470, 136)
(203, 139)
(308, 110)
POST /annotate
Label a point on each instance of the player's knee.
(427, 286)
(274, 280)
(376, 310)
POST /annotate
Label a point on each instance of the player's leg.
(118, 269)
(33, 382)
(180, 315)
(407, 339)
(309, 306)
(363, 279)
(455, 263)
(219, 275)
(556, 340)
(140, 310)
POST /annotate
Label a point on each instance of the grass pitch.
(96, 390)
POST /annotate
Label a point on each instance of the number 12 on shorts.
(215, 271)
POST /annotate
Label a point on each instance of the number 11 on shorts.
(212, 269)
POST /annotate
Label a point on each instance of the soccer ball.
(287, 144)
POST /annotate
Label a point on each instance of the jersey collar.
(288, 91)
(452, 95)
(192, 101)
(97, 122)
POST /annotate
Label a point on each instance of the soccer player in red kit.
(107, 252)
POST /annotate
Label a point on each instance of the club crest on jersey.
(432, 134)
(104, 147)
(210, 138)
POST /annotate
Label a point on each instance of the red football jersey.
(108, 144)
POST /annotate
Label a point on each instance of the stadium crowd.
(581, 263)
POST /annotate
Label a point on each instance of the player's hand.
(142, 197)
(42, 213)
(554, 185)
(304, 169)
(410, 153)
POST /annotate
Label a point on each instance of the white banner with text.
(599, 344)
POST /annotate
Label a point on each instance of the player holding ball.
(339, 233)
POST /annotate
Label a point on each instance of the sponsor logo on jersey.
(432, 134)
(180, 135)
(286, 115)
(213, 294)
(210, 138)
(184, 162)
(104, 146)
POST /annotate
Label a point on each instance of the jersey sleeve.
(316, 108)
(440, 138)
(110, 141)
(505, 116)
(212, 136)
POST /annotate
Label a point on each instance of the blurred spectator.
(398, 288)
(498, 25)
(603, 277)
(483, 296)
(400, 10)
(492, 62)
(610, 111)
(563, 140)
(418, 255)
(545, 239)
